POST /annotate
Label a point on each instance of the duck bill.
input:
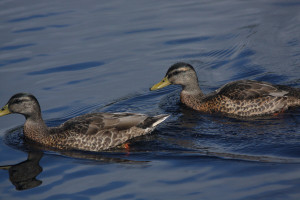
(163, 83)
(4, 111)
(6, 167)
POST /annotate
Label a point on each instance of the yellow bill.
(163, 83)
(4, 111)
(6, 167)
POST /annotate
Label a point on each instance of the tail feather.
(295, 92)
(296, 103)
(291, 92)
(152, 122)
(159, 119)
(294, 97)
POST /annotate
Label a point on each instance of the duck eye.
(174, 73)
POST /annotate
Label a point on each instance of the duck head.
(178, 74)
(22, 103)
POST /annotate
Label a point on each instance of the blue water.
(79, 57)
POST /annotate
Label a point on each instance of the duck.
(89, 132)
(241, 98)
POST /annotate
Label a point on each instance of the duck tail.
(294, 95)
(152, 122)
(296, 103)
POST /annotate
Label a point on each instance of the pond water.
(87, 56)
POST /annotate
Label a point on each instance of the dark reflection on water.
(23, 175)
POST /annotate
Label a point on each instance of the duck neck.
(35, 128)
(191, 95)
(192, 90)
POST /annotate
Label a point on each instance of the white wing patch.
(278, 94)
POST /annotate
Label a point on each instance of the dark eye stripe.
(17, 101)
(174, 73)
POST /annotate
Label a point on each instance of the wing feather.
(94, 122)
(249, 89)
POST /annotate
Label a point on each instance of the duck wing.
(250, 89)
(95, 122)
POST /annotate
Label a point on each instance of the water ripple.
(220, 53)
(67, 83)
(218, 64)
(187, 40)
(245, 53)
(108, 187)
(14, 61)
(143, 30)
(286, 4)
(35, 17)
(66, 68)
(30, 29)
(41, 28)
(14, 47)
(272, 78)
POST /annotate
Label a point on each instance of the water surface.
(82, 57)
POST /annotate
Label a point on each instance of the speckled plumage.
(89, 132)
(244, 98)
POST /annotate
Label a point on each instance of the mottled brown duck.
(89, 132)
(243, 98)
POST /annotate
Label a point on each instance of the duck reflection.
(23, 175)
